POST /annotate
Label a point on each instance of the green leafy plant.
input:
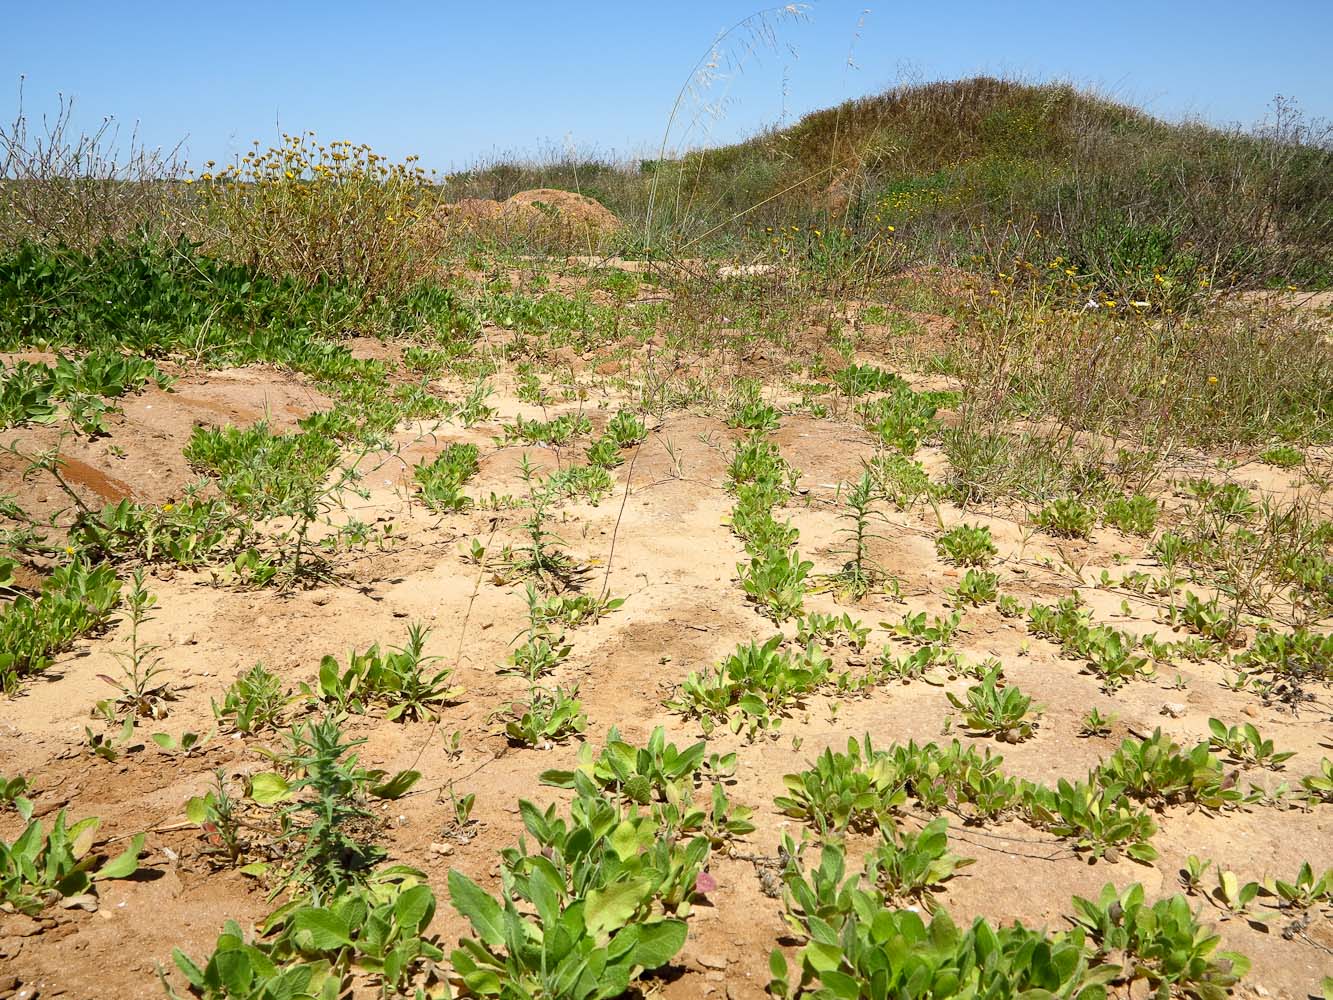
(756, 460)
(977, 587)
(1205, 617)
(751, 687)
(1319, 787)
(775, 580)
(556, 431)
(475, 409)
(1306, 890)
(1099, 819)
(12, 795)
(914, 627)
(586, 927)
(856, 947)
(900, 480)
(604, 453)
(664, 778)
(261, 472)
(1162, 943)
(187, 744)
(41, 867)
(625, 429)
(656, 772)
(908, 867)
(861, 380)
(308, 948)
(1298, 655)
(1283, 456)
(1235, 897)
(75, 600)
(254, 701)
(572, 609)
(402, 680)
(967, 545)
(549, 715)
(903, 418)
(1191, 876)
(190, 533)
(1094, 723)
(1068, 517)
(829, 629)
(1134, 515)
(1244, 744)
(1000, 711)
(441, 480)
(750, 411)
(858, 790)
(592, 482)
(1158, 771)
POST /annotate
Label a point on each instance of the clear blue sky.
(454, 81)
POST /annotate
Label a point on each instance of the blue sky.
(455, 81)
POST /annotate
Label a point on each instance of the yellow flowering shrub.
(336, 212)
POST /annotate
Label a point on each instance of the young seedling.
(550, 715)
(1244, 745)
(141, 694)
(253, 702)
(1003, 712)
(977, 587)
(1096, 724)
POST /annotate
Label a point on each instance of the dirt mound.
(569, 207)
(545, 217)
(472, 209)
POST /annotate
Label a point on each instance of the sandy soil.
(662, 542)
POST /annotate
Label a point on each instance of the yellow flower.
(168, 508)
(291, 176)
(1212, 380)
(892, 230)
(69, 550)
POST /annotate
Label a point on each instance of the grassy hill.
(1102, 183)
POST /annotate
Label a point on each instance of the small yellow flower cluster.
(301, 158)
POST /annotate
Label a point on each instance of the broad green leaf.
(125, 864)
(327, 931)
(659, 943)
(268, 787)
(397, 786)
(413, 907)
(196, 810)
(560, 779)
(480, 908)
(610, 909)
